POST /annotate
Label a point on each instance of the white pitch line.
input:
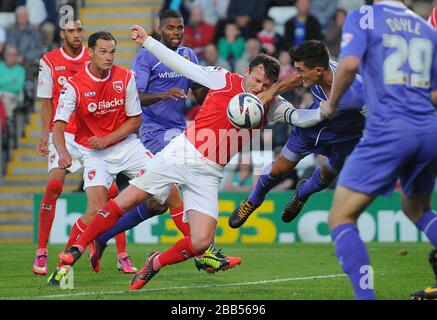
(232, 284)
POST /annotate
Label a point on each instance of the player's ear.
(91, 52)
(158, 29)
(246, 71)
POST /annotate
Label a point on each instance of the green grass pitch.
(277, 271)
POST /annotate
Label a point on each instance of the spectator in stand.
(252, 49)
(42, 16)
(27, 40)
(241, 179)
(7, 6)
(248, 15)
(3, 120)
(301, 27)
(177, 5)
(349, 5)
(213, 10)
(285, 63)
(2, 39)
(270, 40)
(212, 58)
(231, 46)
(333, 33)
(323, 11)
(198, 33)
(12, 80)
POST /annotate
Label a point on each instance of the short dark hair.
(270, 64)
(313, 53)
(168, 14)
(103, 35)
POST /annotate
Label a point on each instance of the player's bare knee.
(174, 199)
(281, 168)
(339, 217)
(155, 208)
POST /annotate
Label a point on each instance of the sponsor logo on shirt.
(104, 105)
(168, 75)
(118, 86)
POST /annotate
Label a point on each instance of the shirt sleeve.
(283, 111)
(354, 37)
(205, 76)
(66, 104)
(141, 69)
(132, 105)
(45, 81)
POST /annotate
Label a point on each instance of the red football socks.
(181, 251)
(105, 218)
(177, 215)
(47, 211)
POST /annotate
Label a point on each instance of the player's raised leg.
(270, 178)
(202, 230)
(349, 248)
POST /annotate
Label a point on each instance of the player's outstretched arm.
(207, 77)
(283, 111)
(290, 83)
(345, 76)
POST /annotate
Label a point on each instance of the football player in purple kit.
(162, 94)
(334, 138)
(397, 52)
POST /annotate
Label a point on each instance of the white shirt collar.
(66, 56)
(95, 78)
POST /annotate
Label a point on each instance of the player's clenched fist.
(98, 143)
(65, 160)
(138, 34)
